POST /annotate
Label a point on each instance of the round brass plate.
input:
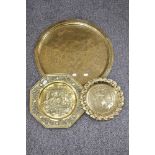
(74, 47)
(102, 99)
(54, 101)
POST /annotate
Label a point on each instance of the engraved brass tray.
(75, 47)
(54, 101)
(102, 99)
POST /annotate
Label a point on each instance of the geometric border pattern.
(46, 121)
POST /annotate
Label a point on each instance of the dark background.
(87, 136)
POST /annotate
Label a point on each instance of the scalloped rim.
(92, 113)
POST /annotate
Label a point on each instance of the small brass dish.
(54, 101)
(75, 47)
(102, 99)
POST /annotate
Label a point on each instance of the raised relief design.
(55, 103)
(58, 100)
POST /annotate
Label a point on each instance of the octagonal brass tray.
(75, 47)
(54, 101)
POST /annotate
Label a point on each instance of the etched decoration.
(105, 97)
(57, 100)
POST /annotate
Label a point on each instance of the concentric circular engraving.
(102, 99)
(74, 47)
(57, 100)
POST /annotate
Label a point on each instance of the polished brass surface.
(102, 99)
(75, 47)
(54, 101)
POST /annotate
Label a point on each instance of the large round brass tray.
(75, 47)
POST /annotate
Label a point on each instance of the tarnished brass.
(75, 47)
(102, 99)
(54, 101)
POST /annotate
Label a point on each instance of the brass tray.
(102, 99)
(54, 101)
(75, 47)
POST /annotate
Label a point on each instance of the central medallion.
(57, 100)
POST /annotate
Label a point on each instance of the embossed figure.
(58, 102)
